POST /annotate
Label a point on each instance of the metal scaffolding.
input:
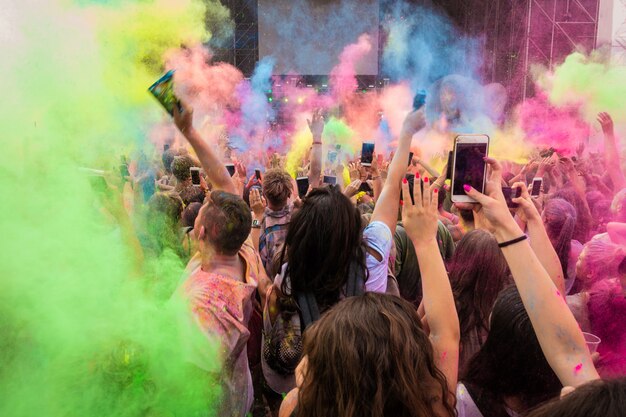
(521, 33)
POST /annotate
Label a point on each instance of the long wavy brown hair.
(368, 356)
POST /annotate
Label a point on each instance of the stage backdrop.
(307, 36)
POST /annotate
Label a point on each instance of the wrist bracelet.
(317, 143)
(512, 241)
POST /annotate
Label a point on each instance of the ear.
(201, 233)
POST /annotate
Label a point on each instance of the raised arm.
(431, 171)
(386, 209)
(420, 220)
(610, 152)
(539, 240)
(316, 125)
(211, 163)
(558, 333)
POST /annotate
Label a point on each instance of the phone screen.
(124, 171)
(536, 189)
(231, 169)
(410, 158)
(257, 174)
(332, 156)
(367, 153)
(303, 186)
(469, 167)
(450, 162)
(163, 91)
(510, 193)
(195, 176)
(329, 179)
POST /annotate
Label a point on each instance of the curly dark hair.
(369, 356)
(180, 167)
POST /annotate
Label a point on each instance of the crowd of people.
(381, 297)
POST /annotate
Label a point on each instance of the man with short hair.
(181, 166)
(222, 284)
(277, 189)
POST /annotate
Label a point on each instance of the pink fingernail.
(404, 180)
(436, 190)
(425, 179)
(417, 175)
(467, 188)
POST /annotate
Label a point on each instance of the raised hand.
(420, 217)
(316, 124)
(353, 188)
(414, 122)
(257, 202)
(606, 122)
(184, 120)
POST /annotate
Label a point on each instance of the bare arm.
(216, 171)
(420, 221)
(558, 333)
(316, 124)
(539, 240)
(610, 152)
(386, 209)
(431, 171)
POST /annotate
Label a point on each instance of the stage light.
(286, 100)
(300, 100)
(270, 99)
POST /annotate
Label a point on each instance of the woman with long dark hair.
(478, 272)
(559, 218)
(328, 256)
(369, 356)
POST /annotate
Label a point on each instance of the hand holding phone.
(511, 193)
(163, 91)
(419, 100)
(469, 166)
(367, 154)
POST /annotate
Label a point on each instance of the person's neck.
(272, 207)
(212, 261)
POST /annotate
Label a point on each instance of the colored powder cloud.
(84, 331)
(591, 82)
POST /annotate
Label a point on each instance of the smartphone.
(195, 176)
(163, 91)
(365, 187)
(469, 165)
(419, 100)
(330, 179)
(367, 154)
(231, 169)
(510, 194)
(332, 156)
(410, 158)
(536, 187)
(257, 174)
(303, 186)
(449, 166)
(124, 171)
